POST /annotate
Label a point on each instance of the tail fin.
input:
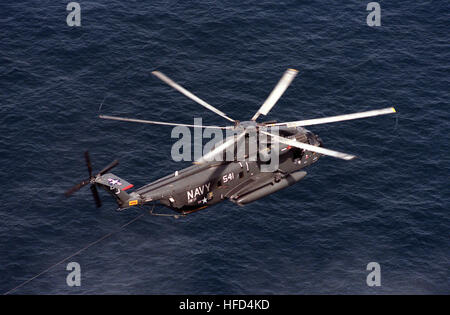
(116, 186)
(119, 189)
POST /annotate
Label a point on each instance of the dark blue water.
(390, 206)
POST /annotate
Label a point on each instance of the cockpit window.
(287, 132)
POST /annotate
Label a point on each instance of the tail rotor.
(91, 180)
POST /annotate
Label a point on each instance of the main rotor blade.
(77, 187)
(88, 163)
(309, 147)
(182, 90)
(277, 92)
(219, 149)
(94, 191)
(107, 168)
(326, 120)
(158, 122)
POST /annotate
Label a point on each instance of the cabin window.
(219, 183)
(241, 174)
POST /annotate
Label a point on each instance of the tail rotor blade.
(91, 180)
(110, 166)
(88, 162)
(77, 187)
(94, 191)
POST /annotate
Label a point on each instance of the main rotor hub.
(249, 124)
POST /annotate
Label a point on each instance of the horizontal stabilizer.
(114, 182)
(119, 189)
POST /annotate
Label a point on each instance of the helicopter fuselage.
(239, 179)
(199, 186)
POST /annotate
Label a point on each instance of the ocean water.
(391, 205)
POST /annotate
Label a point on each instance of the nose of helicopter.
(319, 140)
(314, 139)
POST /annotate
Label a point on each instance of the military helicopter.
(211, 180)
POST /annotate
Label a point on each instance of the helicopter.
(211, 180)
